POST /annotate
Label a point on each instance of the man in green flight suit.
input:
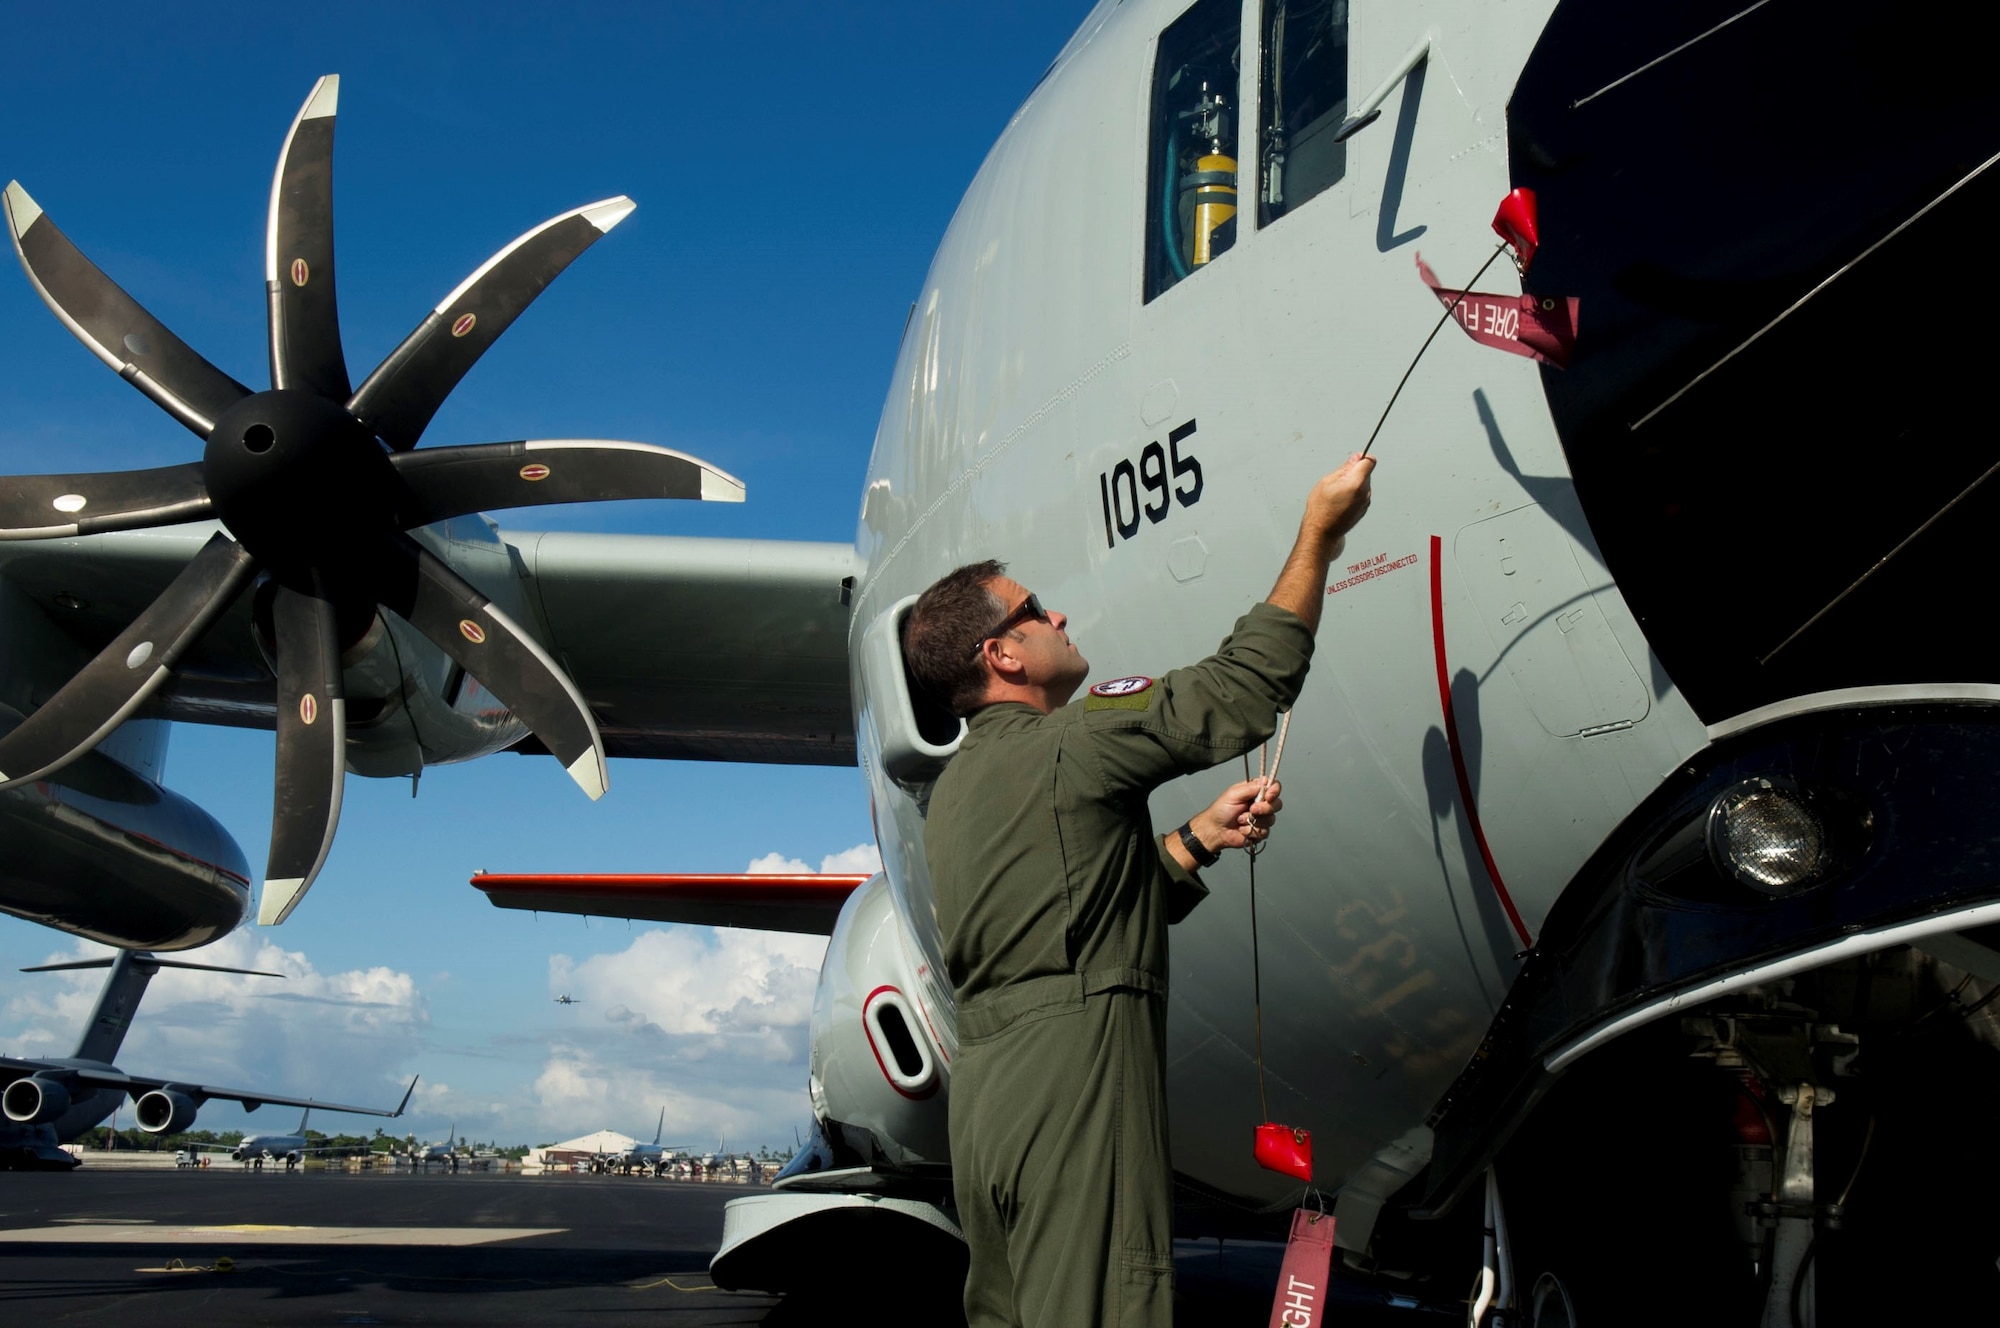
(1052, 890)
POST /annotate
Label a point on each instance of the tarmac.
(223, 1246)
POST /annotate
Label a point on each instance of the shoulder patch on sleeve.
(1134, 693)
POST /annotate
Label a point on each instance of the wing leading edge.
(803, 903)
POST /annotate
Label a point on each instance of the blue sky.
(794, 165)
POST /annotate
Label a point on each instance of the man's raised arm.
(1333, 507)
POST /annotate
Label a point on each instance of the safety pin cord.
(1450, 309)
(1256, 968)
(1284, 727)
(1268, 778)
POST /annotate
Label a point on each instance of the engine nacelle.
(163, 1111)
(35, 1100)
(878, 1063)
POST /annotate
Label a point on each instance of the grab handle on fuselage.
(1369, 109)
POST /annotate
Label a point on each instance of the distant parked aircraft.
(648, 1157)
(291, 1149)
(51, 1102)
(447, 1153)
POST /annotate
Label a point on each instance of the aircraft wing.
(701, 649)
(92, 587)
(684, 648)
(135, 1085)
(804, 903)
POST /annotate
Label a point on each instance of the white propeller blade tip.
(22, 211)
(717, 487)
(588, 772)
(325, 99)
(279, 899)
(609, 213)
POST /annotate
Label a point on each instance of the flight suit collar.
(1000, 714)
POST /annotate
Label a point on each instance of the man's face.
(1051, 659)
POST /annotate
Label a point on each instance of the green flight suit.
(1051, 893)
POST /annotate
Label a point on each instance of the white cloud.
(744, 987)
(777, 864)
(860, 858)
(712, 1024)
(581, 1089)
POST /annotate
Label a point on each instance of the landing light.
(1767, 835)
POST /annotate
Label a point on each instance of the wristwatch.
(1192, 843)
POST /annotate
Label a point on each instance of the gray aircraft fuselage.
(1543, 650)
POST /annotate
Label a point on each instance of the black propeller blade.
(57, 506)
(312, 747)
(418, 587)
(406, 389)
(298, 254)
(118, 331)
(110, 687)
(299, 478)
(444, 482)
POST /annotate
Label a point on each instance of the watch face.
(1122, 687)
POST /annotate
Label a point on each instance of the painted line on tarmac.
(255, 1233)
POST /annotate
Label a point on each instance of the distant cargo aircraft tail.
(131, 971)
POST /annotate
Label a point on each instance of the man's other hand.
(1239, 817)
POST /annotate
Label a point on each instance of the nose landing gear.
(1779, 1053)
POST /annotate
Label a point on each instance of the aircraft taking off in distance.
(49, 1102)
(1634, 878)
(567, 999)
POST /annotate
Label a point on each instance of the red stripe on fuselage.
(1457, 752)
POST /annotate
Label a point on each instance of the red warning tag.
(1285, 1149)
(1301, 1298)
(1543, 328)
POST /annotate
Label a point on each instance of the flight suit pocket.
(992, 1013)
(1145, 1289)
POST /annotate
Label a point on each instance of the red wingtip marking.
(668, 884)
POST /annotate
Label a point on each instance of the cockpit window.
(1305, 100)
(1191, 215)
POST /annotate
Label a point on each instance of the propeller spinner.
(316, 485)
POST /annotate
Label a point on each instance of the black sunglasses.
(1030, 608)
